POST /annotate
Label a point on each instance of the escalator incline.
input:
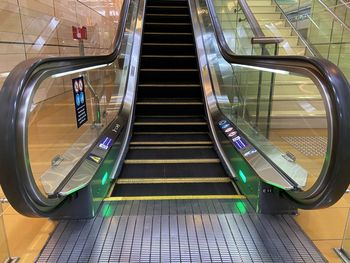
(171, 152)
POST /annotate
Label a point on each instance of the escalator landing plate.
(180, 231)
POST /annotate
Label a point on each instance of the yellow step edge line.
(167, 147)
(172, 143)
(172, 197)
(168, 69)
(169, 116)
(168, 103)
(171, 161)
(166, 133)
(170, 123)
(174, 180)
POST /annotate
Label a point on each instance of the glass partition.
(324, 25)
(60, 130)
(270, 20)
(237, 30)
(44, 29)
(286, 121)
(4, 250)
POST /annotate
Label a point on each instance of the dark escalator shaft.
(171, 153)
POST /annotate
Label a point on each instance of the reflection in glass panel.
(324, 25)
(44, 29)
(282, 114)
(56, 143)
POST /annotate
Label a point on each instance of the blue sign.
(79, 101)
(233, 135)
(239, 142)
(105, 143)
(222, 122)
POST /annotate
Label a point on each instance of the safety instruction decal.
(79, 101)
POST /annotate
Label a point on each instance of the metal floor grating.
(180, 231)
(311, 146)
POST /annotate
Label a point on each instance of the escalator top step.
(200, 170)
(178, 180)
(172, 121)
(173, 137)
(180, 101)
(171, 153)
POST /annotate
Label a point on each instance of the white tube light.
(77, 71)
(278, 71)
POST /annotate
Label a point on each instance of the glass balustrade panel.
(68, 113)
(286, 121)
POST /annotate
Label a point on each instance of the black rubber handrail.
(334, 87)
(16, 176)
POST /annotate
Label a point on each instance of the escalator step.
(175, 138)
(170, 18)
(179, 180)
(171, 153)
(169, 77)
(174, 189)
(160, 9)
(167, 27)
(169, 91)
(179, 144)
(169, 62)
(170, 125)
(171, 120)
(173, 109)
(168, 2)
(168, 37)
(168, 49)
(172, 170)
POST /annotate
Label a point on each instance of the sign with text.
(79, 32)
(79, 101)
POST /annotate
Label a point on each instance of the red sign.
(79, 32)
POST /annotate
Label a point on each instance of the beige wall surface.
(43, 28)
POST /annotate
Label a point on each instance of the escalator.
(181, 162)
(170, 152)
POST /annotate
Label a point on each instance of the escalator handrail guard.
(16, 93)
(334, 179)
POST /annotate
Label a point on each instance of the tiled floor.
(325, 227)
(26, 236)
